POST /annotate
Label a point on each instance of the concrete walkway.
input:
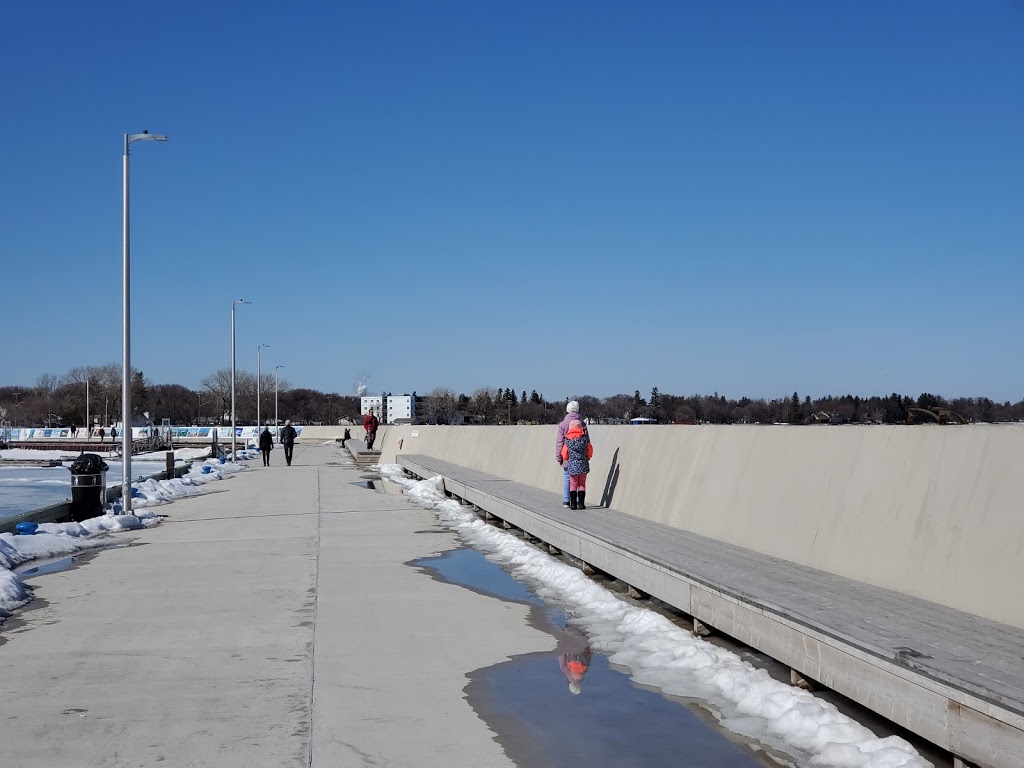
(275, 623)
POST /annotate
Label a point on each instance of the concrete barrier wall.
(936, 512)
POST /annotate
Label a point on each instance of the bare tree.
(441, 405)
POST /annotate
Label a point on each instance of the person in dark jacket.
(288, 441)
(266, 445)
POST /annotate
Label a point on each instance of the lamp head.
(146, 136)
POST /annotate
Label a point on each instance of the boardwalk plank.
(971, 653)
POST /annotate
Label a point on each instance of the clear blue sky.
(574, 197)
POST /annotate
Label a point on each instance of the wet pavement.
(568, 707)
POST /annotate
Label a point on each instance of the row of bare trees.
(61, 400)
(93, 393)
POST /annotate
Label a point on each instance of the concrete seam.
(316, 609)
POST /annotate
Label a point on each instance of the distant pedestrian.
(74, 430)
(102, 434)
(113, 434)
(288, 441)
(370, 424)
(266, 445)
(572, 411)
(576, 453)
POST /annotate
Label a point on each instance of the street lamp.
(233, 302)
(277, 428)
(126, 364)
(258, 383)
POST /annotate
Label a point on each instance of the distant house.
(824, 417)
(642, 420)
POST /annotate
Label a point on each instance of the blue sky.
(743, 197)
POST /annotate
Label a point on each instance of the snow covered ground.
(56, 539)
(661, 655)
(27, 454)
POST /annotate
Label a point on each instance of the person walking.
(370, 424)
(266, 445)
(288, 441)
(102, 434)
(572, 411)
(113, 434)
(577, 453)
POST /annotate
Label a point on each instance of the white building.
(375, 403)
(401, 409)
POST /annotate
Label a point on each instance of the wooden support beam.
(795, 678)
(635, 593)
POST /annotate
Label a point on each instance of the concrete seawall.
(929, 511)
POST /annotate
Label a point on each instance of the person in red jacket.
(370, 424)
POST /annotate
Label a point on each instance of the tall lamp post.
(259, 374)
(277, 427)
(126, 363)
(233, 303)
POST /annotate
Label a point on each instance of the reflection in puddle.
(53, 566)
(569, 707)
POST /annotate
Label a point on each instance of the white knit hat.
(572, 407)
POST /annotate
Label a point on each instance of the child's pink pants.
(578, 482)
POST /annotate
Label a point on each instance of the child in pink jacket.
(576, 453)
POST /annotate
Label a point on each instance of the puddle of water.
(469, 568)
(569, 707)
(52, 566)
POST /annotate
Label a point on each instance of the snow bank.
(661, 655)
(56, 539)
(22, 454)
(15, 550)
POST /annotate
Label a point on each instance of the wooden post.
(795, 678)
(169, 458)
(635, 593)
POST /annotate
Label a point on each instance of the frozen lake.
(23, 489)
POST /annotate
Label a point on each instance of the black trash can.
(88, 486)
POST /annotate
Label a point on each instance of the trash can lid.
(88, 464)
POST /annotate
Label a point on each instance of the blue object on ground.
(136, 492)
(223, 460)
(207, 469)
(26, 528)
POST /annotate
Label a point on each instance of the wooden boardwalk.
(952, 677)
